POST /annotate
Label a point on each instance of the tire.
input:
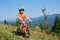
(19, 31)
(28, 34)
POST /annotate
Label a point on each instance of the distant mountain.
(50, 19)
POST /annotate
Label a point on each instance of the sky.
(9, 8)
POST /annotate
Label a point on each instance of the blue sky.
(9, 8)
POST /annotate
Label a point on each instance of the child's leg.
(21, 24)
(25, 27)
(24, 30)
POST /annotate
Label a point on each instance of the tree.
(56, 26)
(41, 26)
(5, 21)
(17, 23)
(45, 19)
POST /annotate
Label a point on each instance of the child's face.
(21, 11)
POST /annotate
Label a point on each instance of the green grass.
(6, 34)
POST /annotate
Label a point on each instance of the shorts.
(19, 21)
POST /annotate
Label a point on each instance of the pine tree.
(17, 23)
(41, 26)
(5, 21)
(56, 26)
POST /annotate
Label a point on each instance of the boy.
(21, 16)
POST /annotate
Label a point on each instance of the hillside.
(50, 19)
(6, 33)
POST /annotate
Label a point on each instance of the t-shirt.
(22, 16)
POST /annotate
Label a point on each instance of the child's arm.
(19, 18)
(28, 19)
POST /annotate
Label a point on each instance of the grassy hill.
(6, 33)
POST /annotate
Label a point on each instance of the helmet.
(21, 9)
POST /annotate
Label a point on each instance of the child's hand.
(23, 22)
(30, 21)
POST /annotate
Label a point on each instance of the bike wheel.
(28, 34)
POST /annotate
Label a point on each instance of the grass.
(6, 34)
